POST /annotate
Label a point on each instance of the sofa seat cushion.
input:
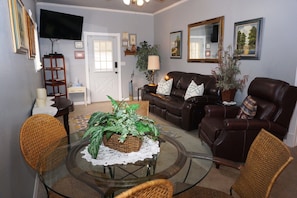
(175, 106)
(172, 104)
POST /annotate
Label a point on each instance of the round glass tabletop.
(173, 162)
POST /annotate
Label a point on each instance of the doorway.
(103, 68)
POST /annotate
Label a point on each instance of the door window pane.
(103, 55)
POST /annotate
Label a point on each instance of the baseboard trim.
(36, 187)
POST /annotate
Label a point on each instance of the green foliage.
(142, 58)
(227, 71)
(123, 121)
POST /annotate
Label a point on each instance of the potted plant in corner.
(143, 51)
(122, 129)
(226, 75)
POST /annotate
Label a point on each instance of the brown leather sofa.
(173, 108)
(230, 138)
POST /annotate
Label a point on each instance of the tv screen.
(58, 25)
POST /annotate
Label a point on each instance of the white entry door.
(104, 71)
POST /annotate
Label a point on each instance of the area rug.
(80, 122)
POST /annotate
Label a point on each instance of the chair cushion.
(248, 108)
(194, 90)
(164, 87)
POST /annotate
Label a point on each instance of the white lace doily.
(108, 156)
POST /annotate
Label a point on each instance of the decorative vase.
(131, 144)
(228, 95)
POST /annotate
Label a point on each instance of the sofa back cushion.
(181, 81)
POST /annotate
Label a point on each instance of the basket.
(131, 144)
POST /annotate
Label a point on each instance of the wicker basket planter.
(131, 144)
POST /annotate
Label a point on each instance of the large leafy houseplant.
(228, 70)
(123, 121)
(143, 51)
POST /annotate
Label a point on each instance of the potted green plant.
(226, 75)
(143, 51)
(120, 124)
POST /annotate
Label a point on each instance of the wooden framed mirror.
(205, 40)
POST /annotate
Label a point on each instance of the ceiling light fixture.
(137, 2)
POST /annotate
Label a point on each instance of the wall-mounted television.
(56, 25)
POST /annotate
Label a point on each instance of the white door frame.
(118, 36)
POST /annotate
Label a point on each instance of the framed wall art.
(132, 39)
(176, 44)
(30, 27)
(247, 38)
(79, 54)
(17, 26)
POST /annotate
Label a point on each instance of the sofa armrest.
(221, 111)
(255, 124)
(150, 89)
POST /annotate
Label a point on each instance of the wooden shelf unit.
(54, 73)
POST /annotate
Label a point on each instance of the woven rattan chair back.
(38, 132)
(159, 188)
(267, 158)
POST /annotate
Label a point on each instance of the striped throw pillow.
(248, 108)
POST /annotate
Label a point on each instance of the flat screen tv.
(56, 25)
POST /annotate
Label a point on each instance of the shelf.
(128, 52)
(54, 73)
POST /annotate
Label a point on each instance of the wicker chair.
(267, 158)
(38, 132)
(159, 188)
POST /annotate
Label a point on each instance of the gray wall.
(19, 82)
(278, 50)
(96, 20)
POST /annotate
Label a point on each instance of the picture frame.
(30, 28)
(79, 54)
(176, 45)
(125, 43)
(248, 49)
(17, 26)
(78, 44)
(132, 39)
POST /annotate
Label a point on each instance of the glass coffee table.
(173, 162)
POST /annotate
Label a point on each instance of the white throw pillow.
(164, 87)
(194, 90)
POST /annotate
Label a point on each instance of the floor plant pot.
(228, 95)
(131, 144)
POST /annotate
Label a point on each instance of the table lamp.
(153, 64)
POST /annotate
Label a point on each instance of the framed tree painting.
(176, 44)
(247, 38)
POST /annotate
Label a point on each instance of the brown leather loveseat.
(184, 113)
(230, 137)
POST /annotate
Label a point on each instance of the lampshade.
(153, 63)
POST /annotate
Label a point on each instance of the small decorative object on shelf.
(54, 73)
(122, 121)
(226, 75)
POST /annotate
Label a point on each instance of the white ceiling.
(151, 7)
